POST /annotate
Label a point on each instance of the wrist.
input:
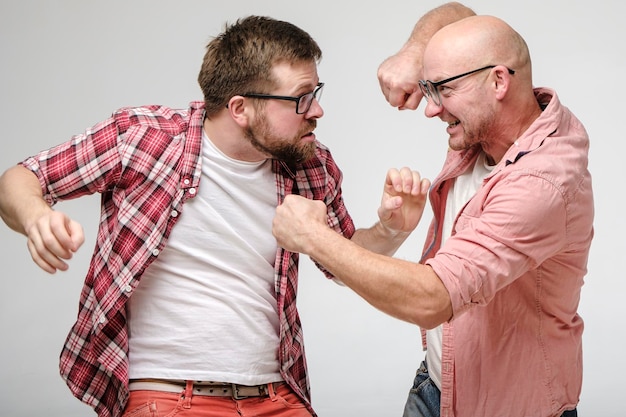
(388, 233)
(31, 215)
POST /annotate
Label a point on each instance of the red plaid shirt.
(145, 163)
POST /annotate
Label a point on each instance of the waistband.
(206, 388)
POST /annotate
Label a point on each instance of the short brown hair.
(241, 58)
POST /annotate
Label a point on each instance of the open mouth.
(309, 136)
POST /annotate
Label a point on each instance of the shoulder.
(163, 118)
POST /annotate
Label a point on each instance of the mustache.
(311, 125)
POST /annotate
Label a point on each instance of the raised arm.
(52, 236)
(402, 204)
(398, 75)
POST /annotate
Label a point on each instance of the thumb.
(386, 209)
(75, 230)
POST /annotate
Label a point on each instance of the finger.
(45, 239)
(407, 177)
(393, 203)
(394, 180)
(413, 183)
(418, 184)
(387, 208)
(398, 96)
(77, 235)
(424, 186)
(45, 260)
(383, 87)
(59, 239)
(50, 242)
(381, 75)
(412, 100)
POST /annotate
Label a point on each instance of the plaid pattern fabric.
(145, 162)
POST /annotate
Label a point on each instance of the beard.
(289, 150)
(477, 133)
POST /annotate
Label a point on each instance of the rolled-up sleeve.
(510, 227)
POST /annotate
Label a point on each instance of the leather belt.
(206, 388)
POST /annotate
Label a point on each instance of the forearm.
(405, 290)
(379, 239)
(21, 200)
(431, 22)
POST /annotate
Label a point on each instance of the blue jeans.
(424, 397)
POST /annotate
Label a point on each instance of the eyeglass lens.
(304, 104)
(429, 91)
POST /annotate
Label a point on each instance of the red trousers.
(281, 403)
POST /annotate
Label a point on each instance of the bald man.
(497, 289)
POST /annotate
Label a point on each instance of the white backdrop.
(67, 64)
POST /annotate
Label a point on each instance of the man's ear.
(502, 81)
(240, 110)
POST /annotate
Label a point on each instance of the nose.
(315, 111)
(432, 109)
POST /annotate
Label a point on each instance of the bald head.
(492, 109)
(474, 42)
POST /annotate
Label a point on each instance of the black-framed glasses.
(303, 102)
(430, 90)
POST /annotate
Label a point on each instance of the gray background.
(68, 64)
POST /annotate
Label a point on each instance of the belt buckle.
(261, 391)
(235, 393)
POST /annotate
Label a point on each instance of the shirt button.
(155, 252)
(102, 319)
(174, 213)
(128, 288)
(186, 181)
(192, 191)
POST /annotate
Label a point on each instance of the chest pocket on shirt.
(470, 213)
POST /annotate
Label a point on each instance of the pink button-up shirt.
(514, 268)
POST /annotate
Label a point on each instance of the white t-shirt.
(205, 309)
(462, 190)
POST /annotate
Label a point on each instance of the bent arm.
(21, 199)
(434, 20)
(399, 74)
(402, 204)
(405, 290)
(52, 236)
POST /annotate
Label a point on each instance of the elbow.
(434, 306)
(429, 322)
(460, 9)
(434, 316)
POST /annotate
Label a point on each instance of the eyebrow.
(305, 87)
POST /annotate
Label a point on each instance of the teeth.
(454, 123)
